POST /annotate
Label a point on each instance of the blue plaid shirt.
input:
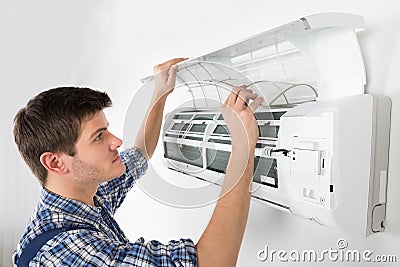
(108, 246)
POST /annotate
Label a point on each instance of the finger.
(244, 97)
(172, 75)
(166, 65)
(237, 89)
(232, 98)
(256, 103)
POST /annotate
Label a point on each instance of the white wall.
(40, 47)
(110, 45)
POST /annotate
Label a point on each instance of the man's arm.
(220, 243)
(164, 83)
(115, 190)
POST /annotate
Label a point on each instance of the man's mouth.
(117, 158)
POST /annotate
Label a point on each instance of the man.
(63, 136)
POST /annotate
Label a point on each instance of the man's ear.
(54, 163)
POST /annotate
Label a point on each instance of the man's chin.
(118, 173)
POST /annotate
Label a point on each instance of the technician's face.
(97, 159)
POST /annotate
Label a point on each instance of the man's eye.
(99, 137)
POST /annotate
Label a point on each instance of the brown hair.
(51, 122)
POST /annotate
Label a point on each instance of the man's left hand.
(165, 76)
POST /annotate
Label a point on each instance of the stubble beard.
(87, 173)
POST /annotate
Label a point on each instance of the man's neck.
(82, 193)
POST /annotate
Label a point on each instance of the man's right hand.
(239, 116)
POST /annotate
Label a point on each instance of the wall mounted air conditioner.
(323, 147)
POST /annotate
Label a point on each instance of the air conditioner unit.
(322, 153)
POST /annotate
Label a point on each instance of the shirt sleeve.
(87, 249)
(115, 190)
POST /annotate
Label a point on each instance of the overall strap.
(33, 247)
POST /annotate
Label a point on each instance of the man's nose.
(115, 142)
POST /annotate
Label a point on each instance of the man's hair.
(51, 122)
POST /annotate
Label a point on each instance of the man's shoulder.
(46, 219)
(42, 219)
